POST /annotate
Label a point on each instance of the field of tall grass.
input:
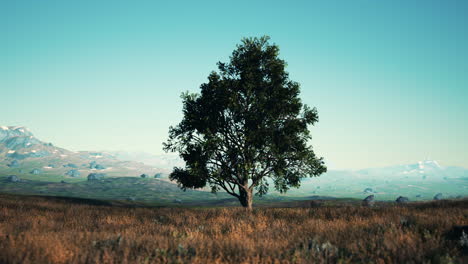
(51, 230)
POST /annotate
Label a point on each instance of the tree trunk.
(246, 198)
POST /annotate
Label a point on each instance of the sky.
(389, 78)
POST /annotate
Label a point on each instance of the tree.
(246, 126)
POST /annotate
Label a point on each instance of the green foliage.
(246, 125)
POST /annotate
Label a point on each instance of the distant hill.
(39, 164)
(418, 181)
(22, 153)
(421, 180)
(164, 161)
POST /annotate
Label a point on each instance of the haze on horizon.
(388, 79)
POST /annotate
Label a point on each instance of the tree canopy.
(247, 125)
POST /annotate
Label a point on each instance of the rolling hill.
(45, 169)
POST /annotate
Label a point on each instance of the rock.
(177, 201)
(158, 175)
(99, 167)
(73, 173)
(368, 201)
(131, 199)
(438, 196)
(93, 165)
(368, 190)
(52, 166)
(13, 178)
(402, 199)
(62, 181)
(96, 176)
(418, 196)
(144, 176)
(13, 164)
(36, 171)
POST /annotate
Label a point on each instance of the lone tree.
(247, 124)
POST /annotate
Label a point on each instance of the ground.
(71, 230)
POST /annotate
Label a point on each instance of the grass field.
(149, 191)
(71, 230)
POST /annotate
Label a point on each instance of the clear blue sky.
(389, 78)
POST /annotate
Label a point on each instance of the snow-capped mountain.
(419, 180)
(17, 137)
(21, 152)
(425, 169)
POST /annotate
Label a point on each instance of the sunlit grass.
(44, 230)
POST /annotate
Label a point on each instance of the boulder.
(177, 201)
(13, 164)
(13, 178)
(402, 199)
(73, 173)
(93, 165)
(368, 190)
(144, 176)
(96, 176)
(99, 167)
(158, 175)
(368, 201)
(35, 171)
(438, 196)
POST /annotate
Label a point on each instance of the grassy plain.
(71, 230)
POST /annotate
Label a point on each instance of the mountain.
(41, 166)
(164, 161)
(421, 180)
(22, 153)
(31, 166)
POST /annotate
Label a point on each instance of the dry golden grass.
(42, 230)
